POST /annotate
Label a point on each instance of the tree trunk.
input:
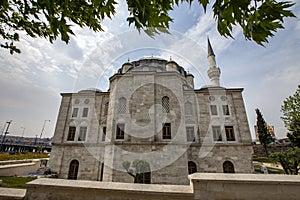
(296, 168)
(266, 150)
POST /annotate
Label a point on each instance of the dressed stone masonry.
(152, 113)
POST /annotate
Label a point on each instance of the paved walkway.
(273, 165)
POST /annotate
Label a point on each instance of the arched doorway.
(73, 170)
(143, 178)
(192, 167)
(228, 167)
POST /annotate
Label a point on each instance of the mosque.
(152, 126)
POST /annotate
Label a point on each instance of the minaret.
(213, 71)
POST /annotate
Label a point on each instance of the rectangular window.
(75, 112)
(120, 131)
(213, 110)
(229, 133)
(85, 112)
(225, 110)
(71, 133)
(103, 133)
(166, 131)
(82, 133)
(217, 133)
(190, 134)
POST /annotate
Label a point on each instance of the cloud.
(31, 82)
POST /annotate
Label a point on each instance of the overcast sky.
(31, 82)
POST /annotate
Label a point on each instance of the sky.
(31, 82)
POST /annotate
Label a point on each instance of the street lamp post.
(23, 131)
(47, 120)
(22, 139)
(5, 133)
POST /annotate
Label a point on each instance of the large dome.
(151, 64)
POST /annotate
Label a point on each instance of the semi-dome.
(90, 90)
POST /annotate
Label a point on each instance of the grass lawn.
(263, 159)
(271, 170)
(22, 156)
(15, 182)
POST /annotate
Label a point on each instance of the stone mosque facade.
(152, 116)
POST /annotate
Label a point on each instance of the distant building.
(153, 113)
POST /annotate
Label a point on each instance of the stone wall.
(259, 150)
(89, 157)
(203, 186)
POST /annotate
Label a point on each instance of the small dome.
(126, 66)
(172, 66)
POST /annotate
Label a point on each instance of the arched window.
(73, 169)
(188, 108)
(106, 108)
(192, 167)
(165, 104)
(122, 105)
(228, 167)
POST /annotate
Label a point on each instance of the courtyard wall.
(203, 186)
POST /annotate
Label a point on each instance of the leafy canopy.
(291, 116)
(289, 160)
(259, 19)
(137, 168)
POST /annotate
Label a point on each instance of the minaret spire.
(213, 71)
(209, 48)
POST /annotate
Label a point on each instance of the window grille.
(71, 133)
(229, 133)
(75, 112)
(73, 169)
(166, 131)
(122, 106)
(166, 104)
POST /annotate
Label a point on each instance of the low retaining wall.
(12, 194)
(92, 190)
(204, 186)
(19, 168)
(245, 186)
